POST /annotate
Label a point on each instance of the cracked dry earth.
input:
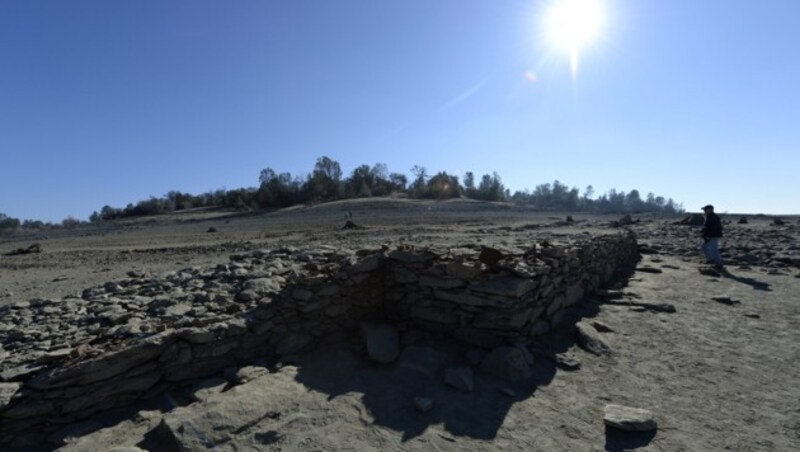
(719, 374)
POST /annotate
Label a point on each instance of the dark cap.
(708, 206)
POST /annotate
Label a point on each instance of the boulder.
(589, 339)
(382, 340)
(629, 419)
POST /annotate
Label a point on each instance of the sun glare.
(573, 24)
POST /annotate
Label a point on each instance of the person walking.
(711, 232)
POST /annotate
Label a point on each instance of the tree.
(323, 184)
(444, 186)
(8, 223)
(399, 181)
(469, 184)
(419, 187)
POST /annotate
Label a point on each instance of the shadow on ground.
(388, 391)
(618, 441)
(754, 283)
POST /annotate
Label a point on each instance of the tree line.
(327, 182)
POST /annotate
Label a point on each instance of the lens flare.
(573, 24)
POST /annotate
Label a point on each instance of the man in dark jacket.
(711, 232)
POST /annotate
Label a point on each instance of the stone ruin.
(128, 340)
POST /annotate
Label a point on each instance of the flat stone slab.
(629, 419)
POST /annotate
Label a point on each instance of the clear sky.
(110, 102)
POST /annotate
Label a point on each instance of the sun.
(573, 24)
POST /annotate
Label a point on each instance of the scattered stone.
(628, 419)
(459, 377)
(212, 229)
(509, 363)
(490, 256)
(567, 361)
(778, 222)
(423, 404)
(726, 300)
(753, 315)
(742, 220)
(589, 339)
(695, 219)
(649, 270)
(383, 343)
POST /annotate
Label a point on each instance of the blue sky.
(110, 102)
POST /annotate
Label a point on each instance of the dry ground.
(717, 376)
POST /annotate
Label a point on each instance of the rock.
(7, 391)
(649, 270)
(208, 424)
(383, 343)
(509, 363)
(212, 229)
(629, 419)
(293, 343)
(423, 404)
(742, 220)
(460, 378)
(502, 320)
(601, 327)
(249, 373)
(65, 434)
(204, 389)
(28, 408)
(725, 300)
(263, 285)
(589, 339)
(490, 256)
(247, 295)
(20, 372)
(567, 361)
(507, 287)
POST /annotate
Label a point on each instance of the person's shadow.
(754, 283)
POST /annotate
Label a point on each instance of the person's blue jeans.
(711, 250)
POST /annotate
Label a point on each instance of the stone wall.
(65, 360)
